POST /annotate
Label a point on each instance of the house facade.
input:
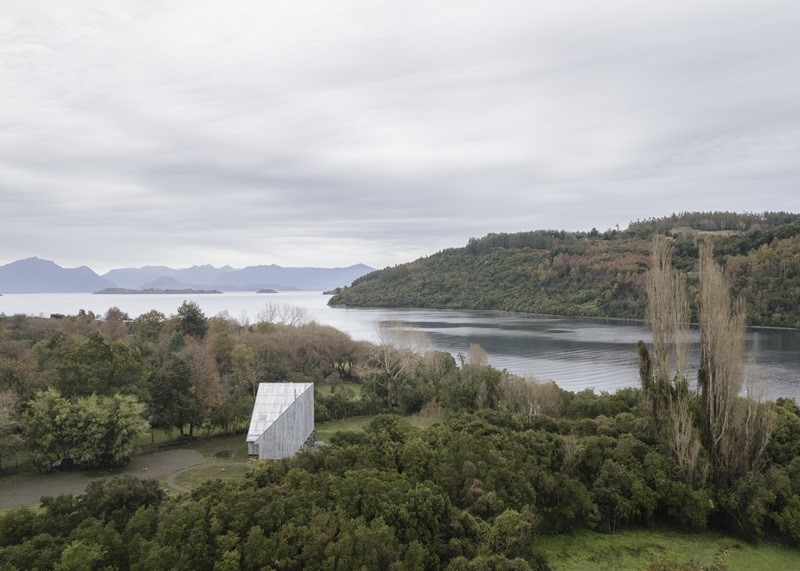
(282, 420)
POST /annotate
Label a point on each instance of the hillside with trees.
(598, 274)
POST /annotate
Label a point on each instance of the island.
(266, 290)
(153, 291)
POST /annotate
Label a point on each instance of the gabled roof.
(272, 400)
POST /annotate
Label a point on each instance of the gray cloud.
(318, 133)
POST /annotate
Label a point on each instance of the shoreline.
(556, 315)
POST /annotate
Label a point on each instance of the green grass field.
(326, 429)
(328, 388)
(228, 473)
(657, 550)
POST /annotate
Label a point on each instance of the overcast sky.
(330, 133)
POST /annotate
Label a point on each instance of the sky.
(318, 133)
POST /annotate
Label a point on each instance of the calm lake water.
(576, 353)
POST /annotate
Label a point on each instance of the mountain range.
(34, 275)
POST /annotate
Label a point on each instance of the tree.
(99, 367)
(117, 499)
(510, 534)
(440, 368)
(172, 403)
(482, 379)
(395, 358)
(242, 376)
(531, 396)
(10, 424)
(735, 430)
(114, 324)
(80, 555)
(283, 314)
(621, 496)
(124, 427)
(147, 327)
(94, 430)
(193, 321)
(206, 386)
(46, 439)
(665, 388)
(18, 368)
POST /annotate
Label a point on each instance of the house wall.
(290, 431)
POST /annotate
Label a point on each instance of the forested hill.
(597, 274)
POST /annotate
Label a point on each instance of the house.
(282, 421)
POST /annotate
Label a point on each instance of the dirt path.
(159, 464)
(27, 490)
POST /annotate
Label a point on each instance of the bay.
(575, 353)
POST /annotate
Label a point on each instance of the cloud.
(318, 133)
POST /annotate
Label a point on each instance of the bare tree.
(666, 394)
(667, 314)
(735, 429)
(531, 396)
(476, 357)
(400, 349)
(283, 314)
(404, 337)
(115, 324)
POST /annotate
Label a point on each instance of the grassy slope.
(662, 549)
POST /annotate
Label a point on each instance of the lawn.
(328, 388)
(424, 419)
(326, 429)
(661, 550)
(228, 473)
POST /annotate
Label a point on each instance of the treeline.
(719, 221)
(597, 274)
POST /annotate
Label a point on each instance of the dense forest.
(598, 274)
(511, 460)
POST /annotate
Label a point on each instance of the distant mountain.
(42, 276)
(251, 278)
(164, 283)
(33, 275)
(138, 278)
(280, 278)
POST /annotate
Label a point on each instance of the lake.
(576, 353)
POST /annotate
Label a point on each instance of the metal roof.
(272, 400)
